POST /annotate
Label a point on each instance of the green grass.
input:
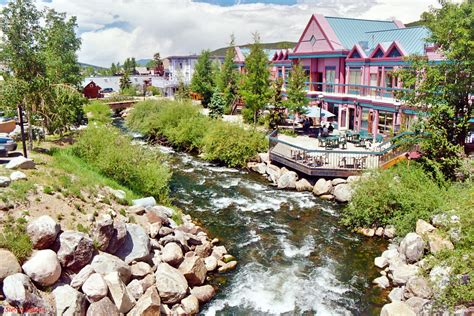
(98, 112)
(14, 238)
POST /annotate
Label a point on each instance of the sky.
(112, 30)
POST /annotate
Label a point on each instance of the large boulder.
(148, 305)
(9, 264)
(18, 175)
(20, 291)
(416, 304)
(135, 287)
(203, 293)
(119, 293)
(303, 185)
(118, 236)
(227, 266)
(287, 180)
(412, 247)
(104, 307)
(419, 286)
(440, 276)
(78, 280)
(396, 294)
(337, 181)
(75, 250)
(438, 243)
(158, 214)
(105, 263)
(264, 157)
(381, 282)
(401, 273)
(260, 167)
(172, 254)
(381, 262)
(343, 193)
(43, 267)
(103, 231)
(273, 172)
(20, 162)
(203, 250)
(322, 187)
(210, 263)
(69, 301)
(95, 287)
(4, 182)
(43, 231)
(145, 202)
(193, 269)
(171, 283)
(423, 227)
(397, 308)
(136, 246)
(140, 269)
(190, 305)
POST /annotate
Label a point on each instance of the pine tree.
(216, 107)
(125, 82)
(255, 88)
(296, 90)
(227, 83)
(202, 81)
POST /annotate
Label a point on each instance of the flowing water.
(294, 257)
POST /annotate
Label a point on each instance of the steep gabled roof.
(395, 47)
(357, 52)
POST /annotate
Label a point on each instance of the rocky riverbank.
(338, 189)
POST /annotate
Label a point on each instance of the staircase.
(237, 106)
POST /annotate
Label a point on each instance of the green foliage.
(216, 107)
(183, 125)
(98, 112)
(153, 90)
(182, 92)
(202, 81)
(398, 196)
(14, 238)
(296, 90)
(227, 81)
(125, 82)
(17, 191)
(82, 229)
(113, 155)
(255, 88)
(129, 91)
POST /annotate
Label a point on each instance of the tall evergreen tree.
(296, 90)
(113, 69)
(202, 81)
(255, 88)
(227, 83)
(125, 82)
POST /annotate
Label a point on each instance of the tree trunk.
(30, 131)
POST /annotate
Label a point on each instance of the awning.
(314, 111)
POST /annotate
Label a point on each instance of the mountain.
(84, 65)
(276, 45)
(143, 62)
(415, 23)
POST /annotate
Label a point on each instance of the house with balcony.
(350, 64)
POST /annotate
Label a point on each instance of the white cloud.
(182, 26)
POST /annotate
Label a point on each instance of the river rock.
(81, 277)
(303, 185)
(145, 202)
(43, 267)
(416, 304)
(412, 247)
(337, 181)
(135, 288)
(227, 267)
(287, 180)
(368, 232)
(444, 220)
(157, 215)
(419, 286)
(4, 182)
(69, 301)
(273, 172)
(327, 197)
(18, 175)
(148, 281)
(437, 243)
(397, 309)
(390, 254)
(322, 187)
(105, 263)
(104, 307)
(352, 179)
(379, 232)
(396, 294)
(381, 262)
(20, 162)
(172, 254)
(210, 263)
(260, 167)
(190, 305)
(140, 269)
(203, 293)
(382, 282)
(154, 229)
(171, 283)
(343, 193)
(401, 273)
(119, 293)
(389, 231)
(204, 250)
(75, 250)
(43, 231)
(103, 231)
(194, 270)
(148, 305)
(20, 291)
(9, 264)
(439, 276)
(136, 245)
(264, 157)
(218, 252)
(95, 287)
(118, 236)
(423, 227)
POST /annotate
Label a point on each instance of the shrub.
(98, 112)
(14, 238)
(114, 155)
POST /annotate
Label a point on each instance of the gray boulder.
(105, 263)
(381, 262)
(148, 305)
(172, 254)
(218, 252)
(419, 286)
(69, 301)
(145, 202)
(104, 307)
(9, 264)
(121, 297)
(203, 293)
(416, 304)
(81, 277)
(303, 185)
(401, 273)
(337, 181)
(43, 267)
(438, 243)
(75, 250)
(204, 250)
(103, 231)
(389, 231)
(140, 269)
(273, 172)
(287, 180)
(158, 214)
(397, 309)
(423, 227)
(118, 236)
(20, 162)
(343, 193)
(20, 291)
(439, 276)
(135, 287)
(95, 287)
(171, 284)
(18, 175)
(193, 269)
(4, 182)
(260, 168)
(264, 157)
(322, 187)
(382, 282)
(210, 263)
(412, 247)
(190, 305)
(136, 246)
(43, 231)
(396, 294)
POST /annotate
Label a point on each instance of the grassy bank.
(182, 125)
(400, 196)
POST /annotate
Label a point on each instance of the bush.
(397, 196)
(98, 112)
(114, 155)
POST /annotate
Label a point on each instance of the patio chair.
(343, 143)
(379, 138)
(342, 162)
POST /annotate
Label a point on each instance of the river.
(294, 257)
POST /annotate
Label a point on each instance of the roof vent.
(364, 45)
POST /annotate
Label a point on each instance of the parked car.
(107, 90)
(7, 144)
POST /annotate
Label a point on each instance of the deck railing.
(354, 89)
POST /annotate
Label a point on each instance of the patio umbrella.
(314, 111)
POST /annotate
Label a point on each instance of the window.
(330, 78)
(334, 109)
(365, 119)
(355, 54)
(385, 122)
(394, 53)
(378, 54)
(354, 80)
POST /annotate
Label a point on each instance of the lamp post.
(22, 128)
